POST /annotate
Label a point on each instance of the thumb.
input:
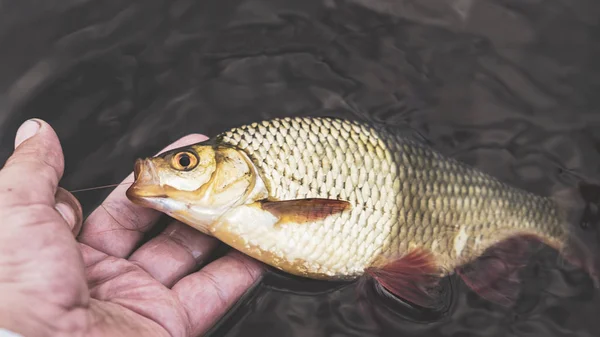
(70, 209)
(31, 174)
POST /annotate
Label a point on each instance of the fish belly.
(403, 195)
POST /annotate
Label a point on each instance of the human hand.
(53, 285)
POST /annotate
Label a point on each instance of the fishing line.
(100, 187)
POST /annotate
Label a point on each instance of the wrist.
(16, 317)
(30, 317)
(8, 333)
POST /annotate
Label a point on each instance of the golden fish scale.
(404, 195)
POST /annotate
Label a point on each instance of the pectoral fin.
(304, 210)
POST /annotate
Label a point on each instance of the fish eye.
(184, 161)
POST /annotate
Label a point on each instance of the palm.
(157, 287)
(122, 289)
(101, 283)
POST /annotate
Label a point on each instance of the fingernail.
(26, 131)
(66, 212)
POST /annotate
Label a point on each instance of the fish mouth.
(146, 183)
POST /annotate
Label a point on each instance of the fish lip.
(146, 185)
(136, 193)
(137, 169)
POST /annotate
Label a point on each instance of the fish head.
(195, 184)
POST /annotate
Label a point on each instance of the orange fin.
(304, 210)
(412, 278)
(495, 274)
(580, 208)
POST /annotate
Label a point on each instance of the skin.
(53, 284)
(405, 201)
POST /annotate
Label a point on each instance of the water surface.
(508, 86)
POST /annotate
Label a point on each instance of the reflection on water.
(508, 86)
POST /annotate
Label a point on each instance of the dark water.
(512, 87)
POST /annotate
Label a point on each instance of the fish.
(337, 199)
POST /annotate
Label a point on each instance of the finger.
(174, 253)
(118, 225)
(69, 208)
(209, 293)
(31, 174)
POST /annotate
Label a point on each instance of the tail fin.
(581, 218)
